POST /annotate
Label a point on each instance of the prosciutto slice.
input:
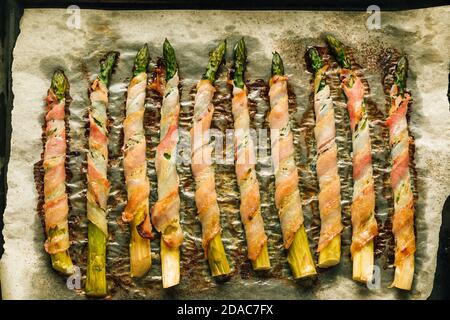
(56, 206)
(97, 158)
(250, 210)
(166, 212)
(205, 189)
(363, 206)
(403, 220)
(135, 164)
(329, 183)
(287, 195)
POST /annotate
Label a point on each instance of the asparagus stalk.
(215, 60)
(403, 219)
(141, 61)
(170, 264)
(277, 67)
(59, 84)
(97, 226)
(254, 225)
(330, 254)
(107, 66)
(170, 255)
(317, 64)
(299, 254)
(215, 251)
(96, 285)
(240, 59)
(170, 60)
(140, 251)
(217, 258)
(218, 262)
(61, 261)
(338, 50)
(262, 262)
(363, 258)
(400, 74)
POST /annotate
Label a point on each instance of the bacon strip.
(97, 158)
(363, 206)
(135, 164)
(205, 189)
(246, 175)
(403, 220)
(56, 207)
(166, 212)
(329, 183)
(287, 195)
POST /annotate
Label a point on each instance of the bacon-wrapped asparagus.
(56, 207)
(245, 167)
(330, 187)
(98, 185)
(403, 221)
(166, 212)
(135, 168)
(363, 205)
(287, 194)
(205, 190)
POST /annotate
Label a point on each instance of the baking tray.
(12, 10)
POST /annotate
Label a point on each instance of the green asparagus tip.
(315, 59)
(277, 64)
(59, 84)
(170, 60)
(141, 61)
(240, 57)
(215, 59)
(338, 50)
(400, 74)
(106, 67)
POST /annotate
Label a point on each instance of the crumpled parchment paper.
(46, 43)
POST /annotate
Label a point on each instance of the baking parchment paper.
(46, 43)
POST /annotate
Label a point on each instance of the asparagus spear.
(338, 50)
(141, 61)
(134, 146)
(400, 74)
(253, 223)
(107, 66)
(59, 84)
(277, 65)
(167, 173)
(215, 60)
(61, 261)
(317, 64)
(97, 162)
(240, 60)
(363, 204)
(170, 60)
(203, 175)
(403, 218)
(299, 254)
(217, 258)
(329, 252)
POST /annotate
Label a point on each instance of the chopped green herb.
(51, 132)
(98, 122)
(55, 231)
